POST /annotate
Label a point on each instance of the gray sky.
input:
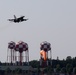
(49, 20)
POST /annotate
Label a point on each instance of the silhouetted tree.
(63, 70)
(58, 68)
(69, 68)
(18, 71)
(8, 71)
(34, 63)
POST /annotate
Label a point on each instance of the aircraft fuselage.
(19, 20)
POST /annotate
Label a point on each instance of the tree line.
(67, 65)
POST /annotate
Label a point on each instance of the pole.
(11, 56)
(20, 58)
(50, 57)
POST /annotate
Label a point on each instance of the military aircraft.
(17, 20)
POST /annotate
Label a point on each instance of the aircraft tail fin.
(14, 16)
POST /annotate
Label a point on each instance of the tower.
(45, 47)
(22, 47)
(11, 52)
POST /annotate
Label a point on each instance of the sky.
(53, 21)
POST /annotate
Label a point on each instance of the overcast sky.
(53, 21)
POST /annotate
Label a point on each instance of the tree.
(69, 68)
(18, 70)
(8, 71)
(34, 63)
(69, 59)
(63, 70)
(58, 68)
(50, 70)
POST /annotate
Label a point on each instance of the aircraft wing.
(20, 17)
(11, 19)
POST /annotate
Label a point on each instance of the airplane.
(17, 20)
